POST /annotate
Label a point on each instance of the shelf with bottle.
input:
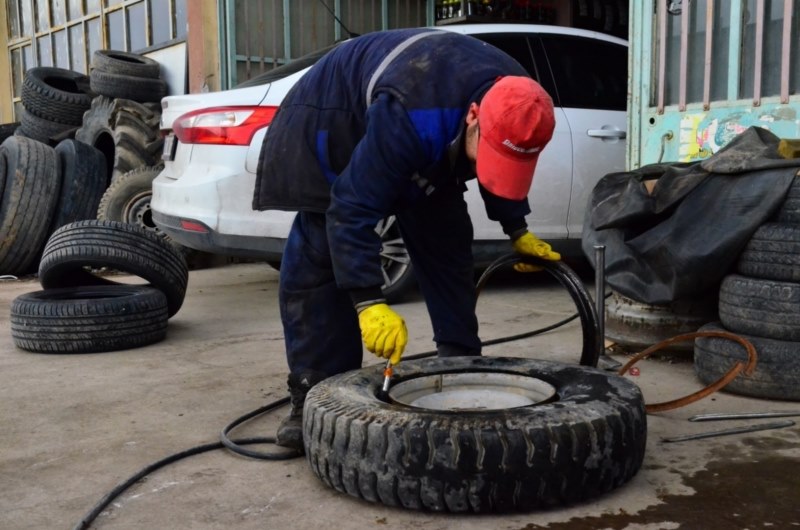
(528, 11)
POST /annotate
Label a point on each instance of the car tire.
(83, 181)
(789, 211)
(141, 89)
(634, 326)
(6, 130)
(127, 199)
(88, 319)
(125, 63)
(125, 131)
(777, 373)
(76, 247)
(56, 94)
(764, 308)
(773, 253)
(588, 441)
(44, 130)
(398, 272)
(27, 208)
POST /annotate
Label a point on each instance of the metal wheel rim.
(138, 212)
(394, 255)
(472, 391)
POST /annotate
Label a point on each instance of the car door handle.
(606, 133)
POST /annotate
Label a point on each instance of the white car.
(202, 198)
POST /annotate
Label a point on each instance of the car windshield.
(289, 68)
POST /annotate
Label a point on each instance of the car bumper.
(201, 237)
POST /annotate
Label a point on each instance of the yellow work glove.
(530, 245)
(383, 331)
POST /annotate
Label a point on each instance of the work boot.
(290, 431)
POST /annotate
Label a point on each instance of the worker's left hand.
(383, 331)
(530, 245)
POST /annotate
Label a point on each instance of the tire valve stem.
(387, 377)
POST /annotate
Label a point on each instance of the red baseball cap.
(516, 122)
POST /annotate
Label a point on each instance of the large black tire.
(56, 94)
(777, 373)
(764, 308)
(125, 63)
(588, 441)
(127, 248)
(635, 326)
(44, 130)
(125, 131)
(83, 181)
(89, 319)
(789, 211)
(141, 89)
(773, 253)
(29, 200)
(6, 130)
(127, 199)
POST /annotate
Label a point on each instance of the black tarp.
(678, 242)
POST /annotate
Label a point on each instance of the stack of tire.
(81, 310)
(53, 103)
(74, 141)
(761, 302)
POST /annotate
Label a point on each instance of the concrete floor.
(76, 425)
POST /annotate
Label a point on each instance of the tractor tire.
(88, 319)
(28, 204)
(56, 94)
(777, 373)
(75, 248)
(773, 253)
(125, 63)
(587, 440)
(764, 308)
(125, 131)
(141, 89)
(83, 181)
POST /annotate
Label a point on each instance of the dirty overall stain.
(730, 494)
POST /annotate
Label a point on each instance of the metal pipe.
(600, 295)
(735, 430)
(743, 415)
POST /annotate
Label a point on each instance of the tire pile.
(75, 187)
(77, 136)
(761, 302)
(80, 311)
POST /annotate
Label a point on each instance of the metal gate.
(705, 70)
(258, 35)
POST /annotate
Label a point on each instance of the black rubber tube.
(590, 354)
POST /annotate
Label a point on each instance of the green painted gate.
(705, 70)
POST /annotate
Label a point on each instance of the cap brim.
(508, 177)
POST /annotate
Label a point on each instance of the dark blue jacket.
(374, 127)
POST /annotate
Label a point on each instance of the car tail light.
(194, 226)
(222, 125)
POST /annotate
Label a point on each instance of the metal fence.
(258, 35)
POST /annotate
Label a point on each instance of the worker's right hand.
(383, 331)
(530, 245)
